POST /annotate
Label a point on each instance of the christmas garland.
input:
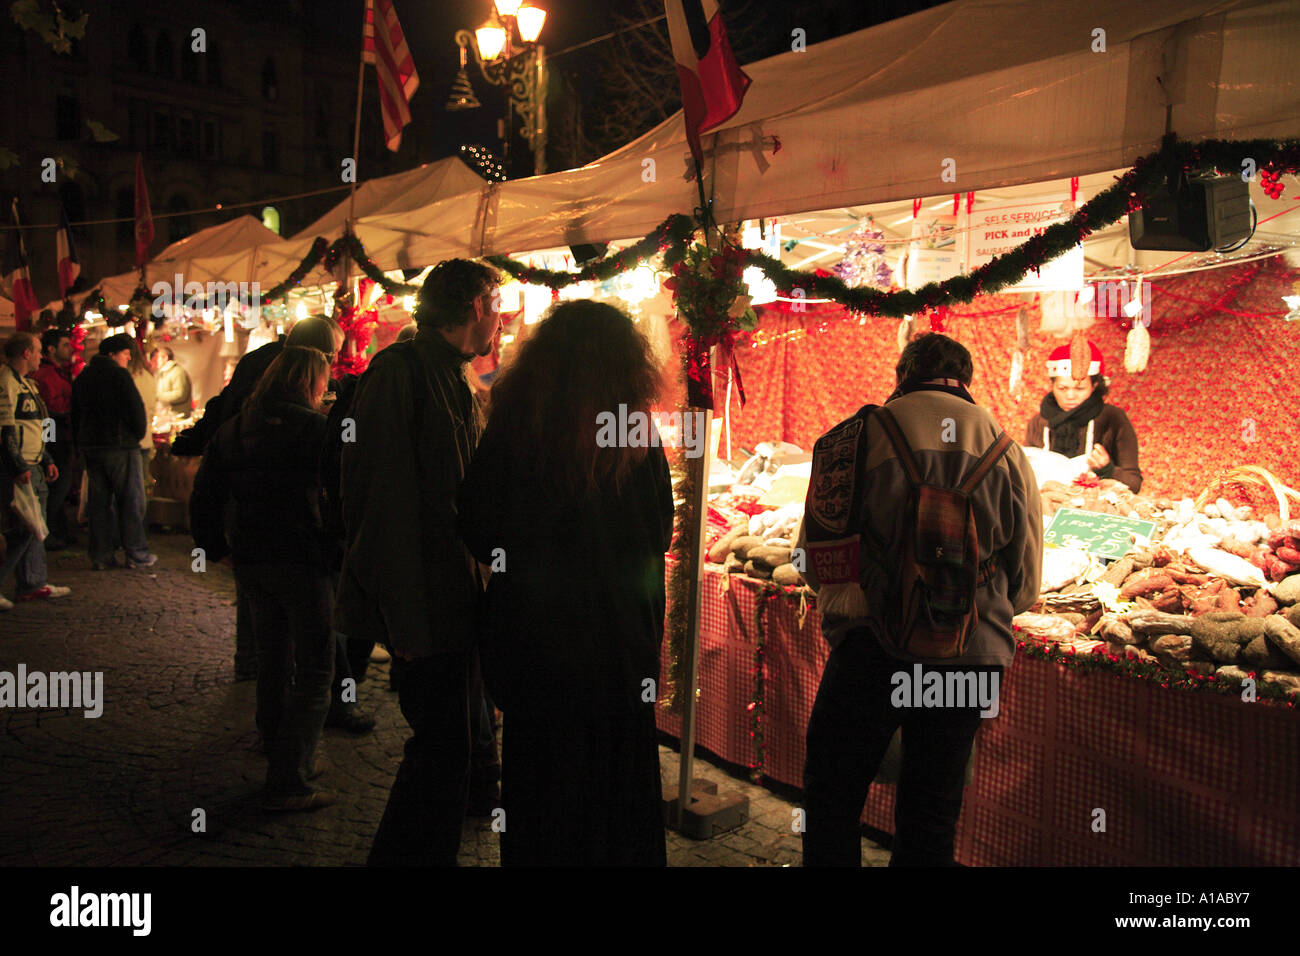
(1271, 159)
(1151, 671)
(670, 237)
(324, 253)
(757, 702)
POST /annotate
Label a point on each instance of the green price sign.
(1106, 536)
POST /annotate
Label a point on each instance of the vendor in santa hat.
(1074, 420)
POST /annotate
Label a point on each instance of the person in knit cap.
(1075, 420)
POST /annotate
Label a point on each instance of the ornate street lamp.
(519, 66)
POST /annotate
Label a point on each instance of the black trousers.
(426, 808)
(289, 608)
(853, 719)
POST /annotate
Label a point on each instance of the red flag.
(17, 281)
(385, 47)
(143, 216)
(713, 85)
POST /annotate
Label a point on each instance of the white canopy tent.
(227, 252)
(399, 193)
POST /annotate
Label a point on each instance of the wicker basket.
(1247, 481)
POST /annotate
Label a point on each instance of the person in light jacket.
(857, 522)
(173, 381)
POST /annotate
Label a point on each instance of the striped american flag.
(385, 47)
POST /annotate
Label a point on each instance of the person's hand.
(24, 479)
(51, 472)
(1098, 457)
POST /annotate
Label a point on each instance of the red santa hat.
(1059, 365)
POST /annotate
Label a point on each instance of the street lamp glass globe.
(491, 41)
(531, 19)
(508, 8)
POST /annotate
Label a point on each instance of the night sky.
(758, 28)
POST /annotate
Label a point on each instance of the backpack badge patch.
(833, 471)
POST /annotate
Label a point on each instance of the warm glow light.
(408, 303)
(491, 41)
(508, 8)
(230, 329)
(302, 309)
(531, 19)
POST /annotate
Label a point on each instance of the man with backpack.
(408, 580)
(923, 532)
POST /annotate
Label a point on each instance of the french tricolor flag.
(17, 281)
(713, 85)
(66, 253)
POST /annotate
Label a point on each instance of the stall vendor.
(1075, 420)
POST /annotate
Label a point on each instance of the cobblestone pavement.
(176, 737)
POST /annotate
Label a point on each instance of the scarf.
(1067, 428)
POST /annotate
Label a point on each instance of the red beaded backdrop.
(1222, 358)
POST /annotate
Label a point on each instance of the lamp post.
(522, 71)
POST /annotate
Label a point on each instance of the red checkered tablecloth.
(1177, 778)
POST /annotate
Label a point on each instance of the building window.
(137, 113)
(137, 47)
(189, 63)
(178, 226)
(162, 131)
(185, 134)
(213, 58)
(210, 150)
(270, 88)
(67, 116)
(163, 59)
(270, 151)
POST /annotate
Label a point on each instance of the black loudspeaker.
(1205, 213)
(582, 254)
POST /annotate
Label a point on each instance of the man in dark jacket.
(408, 579)
(109, 420)
(856, 523)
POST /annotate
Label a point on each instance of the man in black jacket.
(408, 580)
(109, 420)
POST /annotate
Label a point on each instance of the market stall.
(1145, 677)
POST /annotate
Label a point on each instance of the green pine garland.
(673, 235)
(670, 237)
(1148, 670)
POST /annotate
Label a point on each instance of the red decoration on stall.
(78, 350)
(916, 208)
(1074, 189)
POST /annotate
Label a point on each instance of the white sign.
(999, 229)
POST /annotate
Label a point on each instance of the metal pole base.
(710, 812)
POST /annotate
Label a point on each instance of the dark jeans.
(65, 457)
(426, 808)
(114, 478)
(852, 722)
(24, 554)
(290, 607)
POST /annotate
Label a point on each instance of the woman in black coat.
(267, 459)
(575, 534)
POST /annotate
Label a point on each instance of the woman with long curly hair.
(575, 533)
